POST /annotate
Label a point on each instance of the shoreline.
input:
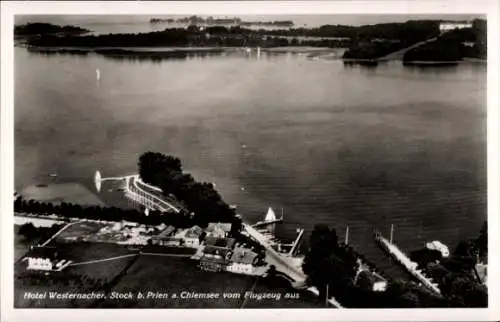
(166, 51)
(61, 192)
(174, 49)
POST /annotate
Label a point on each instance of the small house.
(165, 237)
(439, 246)
(192, 236)
(216, 251)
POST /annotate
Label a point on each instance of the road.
(398, 55)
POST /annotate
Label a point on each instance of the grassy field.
(21, 244)
(168, 250)
(80, 231)
(148, 273)
(174, 275)
(105, 271)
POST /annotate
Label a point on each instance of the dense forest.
(40, 28)
(454, 45)
(180, 37)
(331, 263)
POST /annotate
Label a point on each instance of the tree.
(425, 256)
(482, 241)
(365, 281)
(409, 299)
(320, 265)
(28, 230)
(271, 272)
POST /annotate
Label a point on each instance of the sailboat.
(269, 219)
(98, 74)
(270, 216)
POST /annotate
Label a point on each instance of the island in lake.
(211, 21)
(415, 42)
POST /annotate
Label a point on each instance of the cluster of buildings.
(171, 236)
(124, 233)
(452, 25)
(222, 253)
(216, 250)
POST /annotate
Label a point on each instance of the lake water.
(327, 143)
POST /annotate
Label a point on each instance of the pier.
(389, 247)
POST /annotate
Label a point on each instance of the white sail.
(97, 180)
(270, 216)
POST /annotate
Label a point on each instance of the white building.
(45, 259)
(452, 25)
(380, 286)
(39, 263)
(192, 237)
(437, 245)
(220, 230)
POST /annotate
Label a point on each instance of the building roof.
(165, 234)
(220, 242)
(214, 260)
(243, 256)
(226, 227)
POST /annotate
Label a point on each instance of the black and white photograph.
(249, 161)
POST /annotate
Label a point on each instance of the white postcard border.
(11, 8)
